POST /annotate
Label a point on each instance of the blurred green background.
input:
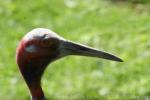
(121, 27)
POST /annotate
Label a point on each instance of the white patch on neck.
(31, 48)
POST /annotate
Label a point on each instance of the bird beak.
(71, 48)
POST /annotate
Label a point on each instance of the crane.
(41, 46)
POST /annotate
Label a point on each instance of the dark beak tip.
(119, 60)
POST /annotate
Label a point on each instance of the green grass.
(133, 1)
(122, 29)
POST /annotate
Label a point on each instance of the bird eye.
(45, 36)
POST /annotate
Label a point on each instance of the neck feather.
(36, 92)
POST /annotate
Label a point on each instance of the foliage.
(133, 1)
(122, 29)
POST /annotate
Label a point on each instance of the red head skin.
(35, 51)
(41, 46)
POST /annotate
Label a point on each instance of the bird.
(40, 47)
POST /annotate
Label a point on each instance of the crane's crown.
(41, 38)
(40, 33)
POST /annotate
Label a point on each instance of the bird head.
(41, 46)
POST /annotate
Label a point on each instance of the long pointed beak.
(71, 48)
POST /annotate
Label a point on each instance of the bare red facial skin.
(32, 65)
